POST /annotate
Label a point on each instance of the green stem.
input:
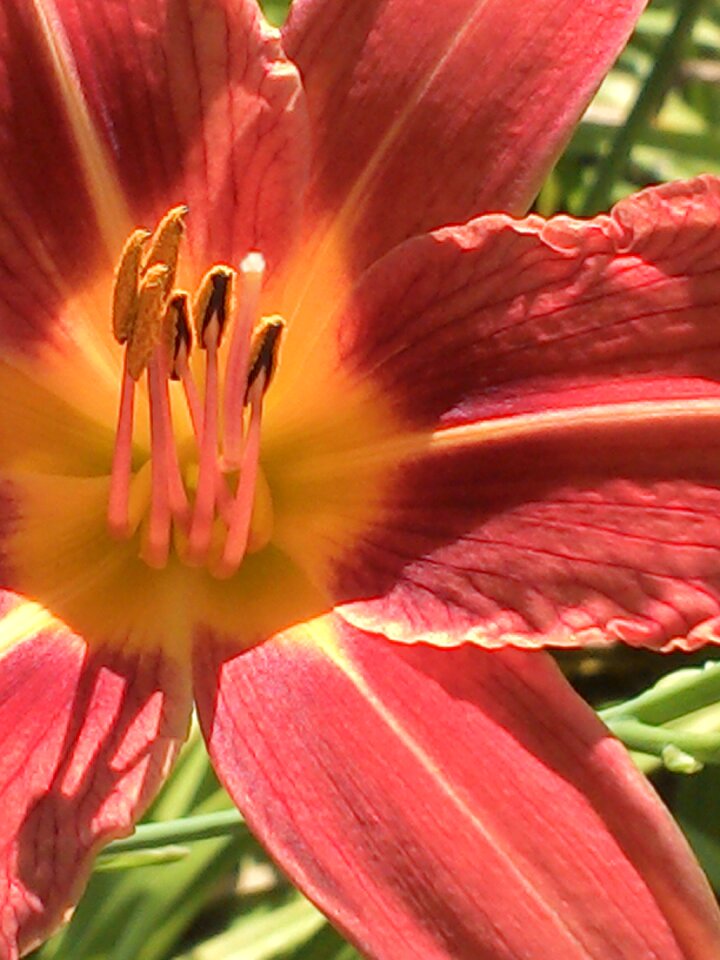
(648, 102)
(672, 697)
(636, 735)
(184, 830)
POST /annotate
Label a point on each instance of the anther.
(264, 352)
(213, 302)
(165, 244)
(147, 330)
(179, 334)
(127, 283)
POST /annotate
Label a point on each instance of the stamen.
(241, 514)
(204, 506)
(178, 323)
(125, 307)
(178, 497)
(252, 271)
(210, 312)
(156, 542)
(127, 282)
(118, 515)
(152, 318)
(165, 244)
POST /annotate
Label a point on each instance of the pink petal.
(453, 804)
(564, 376)
(196, 103)
(428, 113)
(502, 317)
(86, 737)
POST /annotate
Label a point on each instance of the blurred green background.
(169, 896)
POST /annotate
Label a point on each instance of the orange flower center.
(205, 498)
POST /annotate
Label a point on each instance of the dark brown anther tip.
(264, 352)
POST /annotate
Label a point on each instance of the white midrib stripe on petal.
(409, 446)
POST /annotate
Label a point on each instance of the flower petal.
(425, 114)
(87, 735)
(196, 104)
(502, 317)
(562, 378)
(40, 431)
(457, 804)
(50, 239)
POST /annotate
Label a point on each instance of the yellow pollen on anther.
(147, 332)
(127, 282)
(165, 244)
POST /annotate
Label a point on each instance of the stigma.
(203, 500)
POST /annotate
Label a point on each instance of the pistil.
(124, 319)
(252, 271)
(241, 510)
(262, 362)
(178, 497)
(156, 540)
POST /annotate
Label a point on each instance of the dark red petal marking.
(450, 804)
(50, 243)
(197, 104)
(426, 114)
(542, 544)
(86, 738)
(595, 513)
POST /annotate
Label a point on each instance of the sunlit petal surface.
(425, 114)
(552, 476)
(455, 804)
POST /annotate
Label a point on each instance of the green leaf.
(264, 933)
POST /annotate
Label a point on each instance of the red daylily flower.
(500, 434)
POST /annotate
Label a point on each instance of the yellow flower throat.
(206, 498)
